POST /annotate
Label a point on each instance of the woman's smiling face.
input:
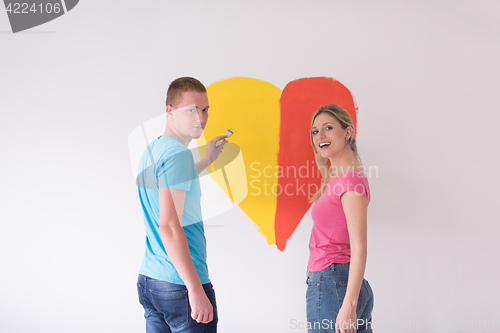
(328, 136)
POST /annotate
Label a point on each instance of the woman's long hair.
(345, 121)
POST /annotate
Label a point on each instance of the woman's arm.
(355, 209)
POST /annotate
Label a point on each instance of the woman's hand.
(346, 321)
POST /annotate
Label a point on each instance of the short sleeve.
(175, 170)
(355, 181)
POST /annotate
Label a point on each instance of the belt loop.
(333, 267)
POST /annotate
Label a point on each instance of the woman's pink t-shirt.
(329, 237)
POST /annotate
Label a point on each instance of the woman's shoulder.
(356, 172)
(352, 179)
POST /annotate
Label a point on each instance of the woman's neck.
(341, 164)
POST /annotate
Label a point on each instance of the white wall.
(425, 76)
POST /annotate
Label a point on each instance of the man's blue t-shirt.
(166, 162)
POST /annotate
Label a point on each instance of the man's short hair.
(180, 85)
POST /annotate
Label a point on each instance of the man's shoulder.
(169, 152)
(166, 147)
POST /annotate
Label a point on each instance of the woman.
(338, 297)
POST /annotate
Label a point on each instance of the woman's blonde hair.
(345, 121)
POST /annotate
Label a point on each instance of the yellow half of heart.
(250, 107)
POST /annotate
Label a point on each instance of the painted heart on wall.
(272, 131)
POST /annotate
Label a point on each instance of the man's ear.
(169, 109)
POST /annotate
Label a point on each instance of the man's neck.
(175, 134)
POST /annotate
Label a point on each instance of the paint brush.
(228, 133)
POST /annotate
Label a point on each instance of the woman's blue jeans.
(167, 309)
(325, 293)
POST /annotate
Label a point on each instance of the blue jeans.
(325, 293)
(167, 309)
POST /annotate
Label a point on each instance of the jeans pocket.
(173, 305)
(369, 298)
(312, 301)
(368, 288)
(211, 297)
(341, 288)
(140, 292)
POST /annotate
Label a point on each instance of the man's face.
(191, 114)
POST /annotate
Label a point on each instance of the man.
(173, 285)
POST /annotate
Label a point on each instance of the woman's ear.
(348, 132)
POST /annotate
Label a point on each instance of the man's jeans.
(325, 293)
(167, 309)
